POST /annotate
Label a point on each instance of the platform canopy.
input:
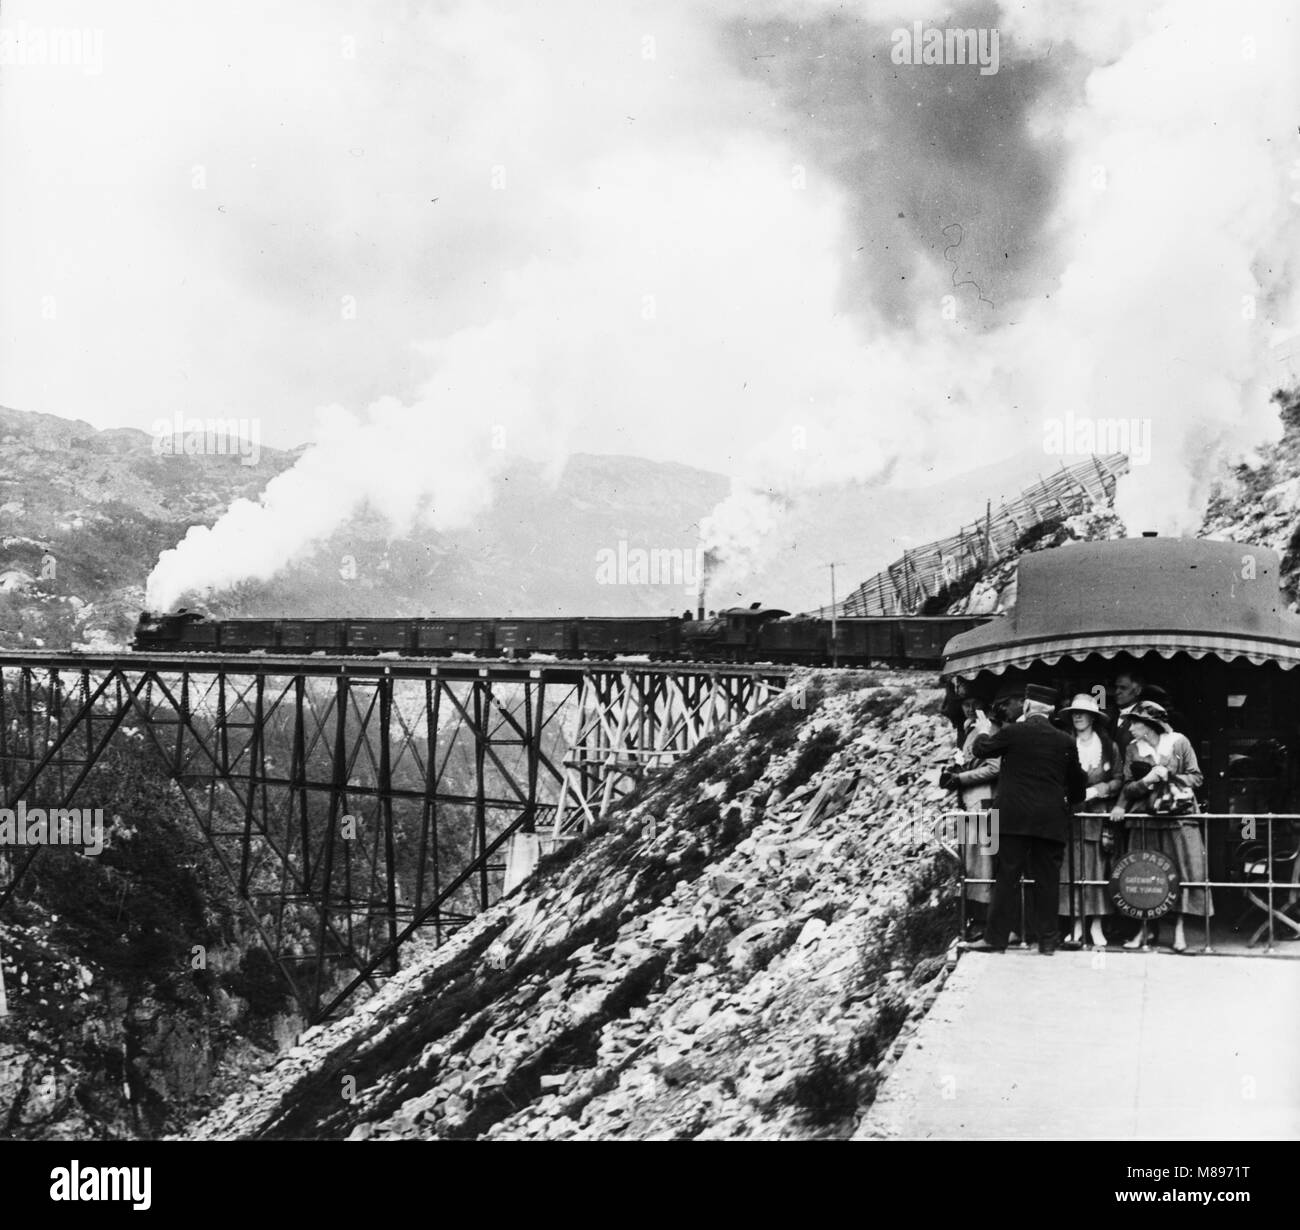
(1137, 596)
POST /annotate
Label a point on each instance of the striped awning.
(1138, 596)
(1111, 645)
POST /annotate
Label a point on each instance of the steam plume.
(1138, 181)
(750, 260)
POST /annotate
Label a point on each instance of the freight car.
(741, 634)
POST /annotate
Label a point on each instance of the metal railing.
(1271, 838)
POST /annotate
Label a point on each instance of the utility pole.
(835, 652)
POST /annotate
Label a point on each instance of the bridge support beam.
(625, 723)
(353, 802)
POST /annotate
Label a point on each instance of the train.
(741, 634)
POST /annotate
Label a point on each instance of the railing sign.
(1144, 884)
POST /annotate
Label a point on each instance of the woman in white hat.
(1160, 775)
(1100, 760)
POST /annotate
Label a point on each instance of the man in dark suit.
(1040, 780)
(1126, 692)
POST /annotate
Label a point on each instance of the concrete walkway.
(1116, 1046)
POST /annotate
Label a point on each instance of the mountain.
(84, 515)
(102, 505)
(544, 546)
(606, 535)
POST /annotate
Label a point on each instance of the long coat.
(1177, 836)
(976, 784)
(1175, 752)
(977, 790)
(1108, 778)
(1040, 777)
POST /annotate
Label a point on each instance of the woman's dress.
(1177, 836)
(976, 788)
(1085, 860)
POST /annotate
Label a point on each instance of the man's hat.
(1084, 703)
(1041, 693)
(1152, 714)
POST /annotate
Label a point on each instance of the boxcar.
(869, 640)
(924, 636)
(518, 638)
(441, 637)
(377, 635)
(614, 638)
(311, 635)
(243, 635)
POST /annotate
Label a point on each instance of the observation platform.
(1101, 1045)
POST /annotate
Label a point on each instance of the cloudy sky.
(668, 217)
(731, 234)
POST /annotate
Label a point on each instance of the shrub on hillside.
(811, 758)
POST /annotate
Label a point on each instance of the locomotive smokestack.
(708, 561)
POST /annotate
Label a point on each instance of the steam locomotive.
(740, 634)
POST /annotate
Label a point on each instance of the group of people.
(1076, 785)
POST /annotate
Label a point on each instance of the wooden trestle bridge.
(354, 801)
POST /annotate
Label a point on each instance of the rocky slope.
(740, 951)
(1259, 500)
(734, 954)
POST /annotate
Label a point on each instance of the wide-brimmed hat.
(1152, 714)
(1084, 703)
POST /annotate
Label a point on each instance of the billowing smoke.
(436, 476)
(654, 271)
(753, 241)
(430, 461)
(1182, 232)
(735, 530)
(1121, 188)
